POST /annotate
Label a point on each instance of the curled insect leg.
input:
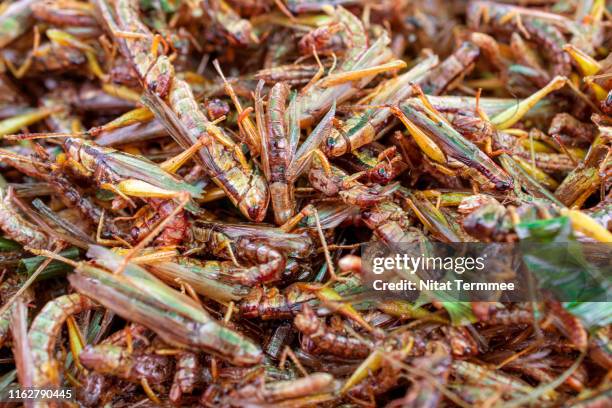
(285, 391)
(599, 348)
(245, 124)
(174, 232)
(16, 227)
(43, 335)
(318, 337)
(572, 131)
(118, 361)
(269, 263)
(178, 209)
(187, 376)
(434, 366)
(526, 56)
(96, 388)
(383, 376)
(73, 197)
(271, 303)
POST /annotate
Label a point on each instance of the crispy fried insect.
(173, 234)
(325, 340)
(173, 102)
(285, 391)
(458, 64)
(97, 386)
(17, 228)
(434, 365)
(271, 303)
(187, 376)
(63, 13)
(114, 360)
(44, 332)
(264, 247)
(175, 317)
(282, 161)
(535, 27)
(333, 181)
(571, 131)
(293, 74)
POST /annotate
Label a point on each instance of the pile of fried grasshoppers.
(185, 187)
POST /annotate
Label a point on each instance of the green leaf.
(460, 313)
(560, 265)
(544, 231)
(7, 245)
(54, 269)
(7, 379)
(592, 314)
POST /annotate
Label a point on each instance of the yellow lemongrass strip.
(212, 194)
(587, 225)
(586, 63)
(121, 92)
(128, 118)
(162, 255)
(17, 122)
(63, 38)
(344, 77)
(600, 93)
(428, 146)
(94, 65)
(597, 11)
(513, 114)
(139, 188)
(130, 35)
(369, 365)
(537, 173)
(76, 341)
(538, 147)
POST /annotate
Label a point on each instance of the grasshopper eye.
(503, 185)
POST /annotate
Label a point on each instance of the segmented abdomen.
(43, 335)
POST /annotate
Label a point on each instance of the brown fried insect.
(325, 340)
(114, 360)
(271, 303)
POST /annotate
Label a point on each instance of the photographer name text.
(433, 285)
